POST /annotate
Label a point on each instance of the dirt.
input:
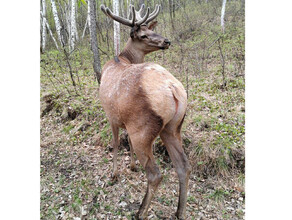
(76, 182)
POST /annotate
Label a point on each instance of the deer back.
(130, 92)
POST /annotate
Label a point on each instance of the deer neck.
(132, 54)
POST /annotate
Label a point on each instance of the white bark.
(88, 16)
(222, 14)
(87, 20)
(57, 22)
(74, 35)
(49, 29)
(116, 28)
(85, 26)
(43, 25)
(68, 22)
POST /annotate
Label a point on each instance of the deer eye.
(144, 36)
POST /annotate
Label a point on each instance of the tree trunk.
(74, 35)
(57, 22)
(173, 8)
(85, 26)
(63, 21)
(93, 38)
(222, 14)
(51, 34)
(43, 26)
(116, 28)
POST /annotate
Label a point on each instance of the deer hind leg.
(115, 143)
(133, 166)
(142, 146)
(171, 137)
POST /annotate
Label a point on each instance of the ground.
(76, 161)
(76, 182)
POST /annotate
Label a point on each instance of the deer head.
(142, 34)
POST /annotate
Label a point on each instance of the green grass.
(218, 195)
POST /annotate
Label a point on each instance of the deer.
(147, 101)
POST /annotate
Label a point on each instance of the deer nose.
(166, 41)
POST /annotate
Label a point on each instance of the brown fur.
(148, 101)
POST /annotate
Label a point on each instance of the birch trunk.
(68, 22)
(57, 22)
(74, 35)
(222, 14)
(49, 29)
(85, 26)
(93, 38)
(116, 28)
(43, 26)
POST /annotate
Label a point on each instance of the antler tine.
(154, 14)
(141, 9)
(144, 18)
(133, 16)
(119, 19)
(138, 13)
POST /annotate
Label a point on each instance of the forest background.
(279, 141)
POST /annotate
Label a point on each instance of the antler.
(154, 14)
(119, 19)
(136, 15)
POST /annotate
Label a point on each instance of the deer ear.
(134, 30)
(152, 25)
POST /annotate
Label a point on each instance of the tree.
(116, 28)
(74, 34)
(93, 38)
(57, 22)
(85, 26)
(43, 25)
(51, 34)
(222, 14)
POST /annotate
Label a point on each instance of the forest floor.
(76, 158)
(76, 182)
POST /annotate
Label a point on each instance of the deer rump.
(141, 94)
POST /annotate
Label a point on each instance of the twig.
(214, 42)
(70, 69)
(223, 62)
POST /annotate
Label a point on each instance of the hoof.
(133, 168)
(138, 217)
(179, 217)
(115, 178)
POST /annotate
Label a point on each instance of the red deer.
(147, 101)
